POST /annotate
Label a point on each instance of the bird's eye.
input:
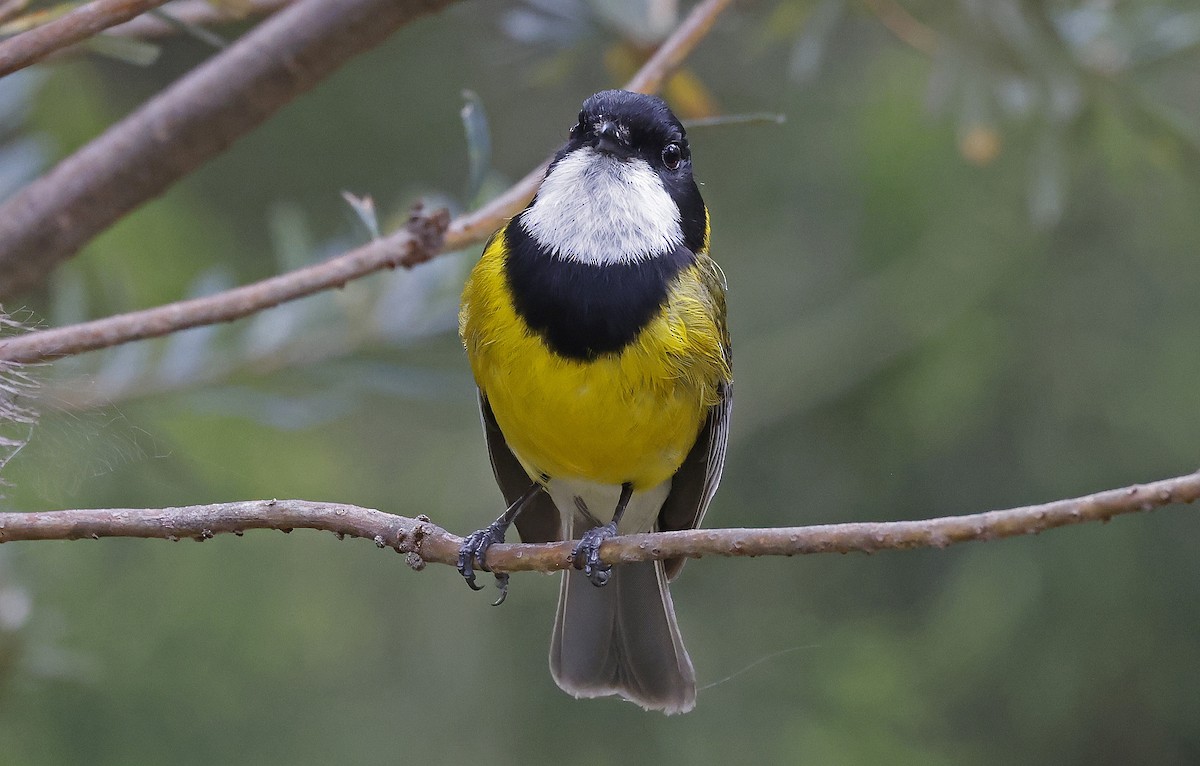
(672, 156)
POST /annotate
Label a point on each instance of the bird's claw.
(474, 550)
(502, 584)
(586, 554)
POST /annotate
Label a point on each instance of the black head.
(628, 125)
(633, 126)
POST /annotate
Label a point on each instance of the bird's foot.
(586, 555)
(474, 550)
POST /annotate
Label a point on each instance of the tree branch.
(239, 302)
(424, 541)
(186, 125)
(10, 9)
(32, 46)
(419, 241)
(675, 49)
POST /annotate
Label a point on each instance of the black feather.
(582, 310)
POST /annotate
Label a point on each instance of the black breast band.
(581, 310)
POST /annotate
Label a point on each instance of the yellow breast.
(631, 416)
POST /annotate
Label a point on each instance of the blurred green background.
(963, 276)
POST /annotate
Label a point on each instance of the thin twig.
(424, 541)
(668, 57)
(419, 241)
(30, 47)
(10, 9)
(200, 13)
(243, 301)
(189, 123)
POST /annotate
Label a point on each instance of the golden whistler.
(595, 328)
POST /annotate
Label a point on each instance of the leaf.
(1047, 179)
(688, 95)
(189, 352)
(365, 208)
(643, 21)
(809, 53)
(479, 142)
(206, 36)
(20, 162)
(239, 9)
(291, 241)
(270, 332)
(126, 49)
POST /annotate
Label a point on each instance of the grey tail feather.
(622, 639)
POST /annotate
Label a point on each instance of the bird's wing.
(695, 483)
(540, 521)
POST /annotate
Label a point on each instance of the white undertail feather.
(600, 500)
(594, 208)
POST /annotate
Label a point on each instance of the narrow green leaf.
(126, 49)
(479, 143)
(206, 36)
(291, 239)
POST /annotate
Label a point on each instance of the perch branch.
(248, 299)
(29, 47)
(423, 541)
(189, 123)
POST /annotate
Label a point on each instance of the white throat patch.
(597, 209)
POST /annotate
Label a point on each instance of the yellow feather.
(630, 416)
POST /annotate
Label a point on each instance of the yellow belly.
(626, 417)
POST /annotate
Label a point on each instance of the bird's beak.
(613, 139)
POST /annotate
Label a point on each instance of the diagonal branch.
(10, 9)
(32, 46)
(243, 301)
(424, 541)
(673, 51)
(186, 125)
(417, 242)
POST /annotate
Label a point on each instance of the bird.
(595, 327)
